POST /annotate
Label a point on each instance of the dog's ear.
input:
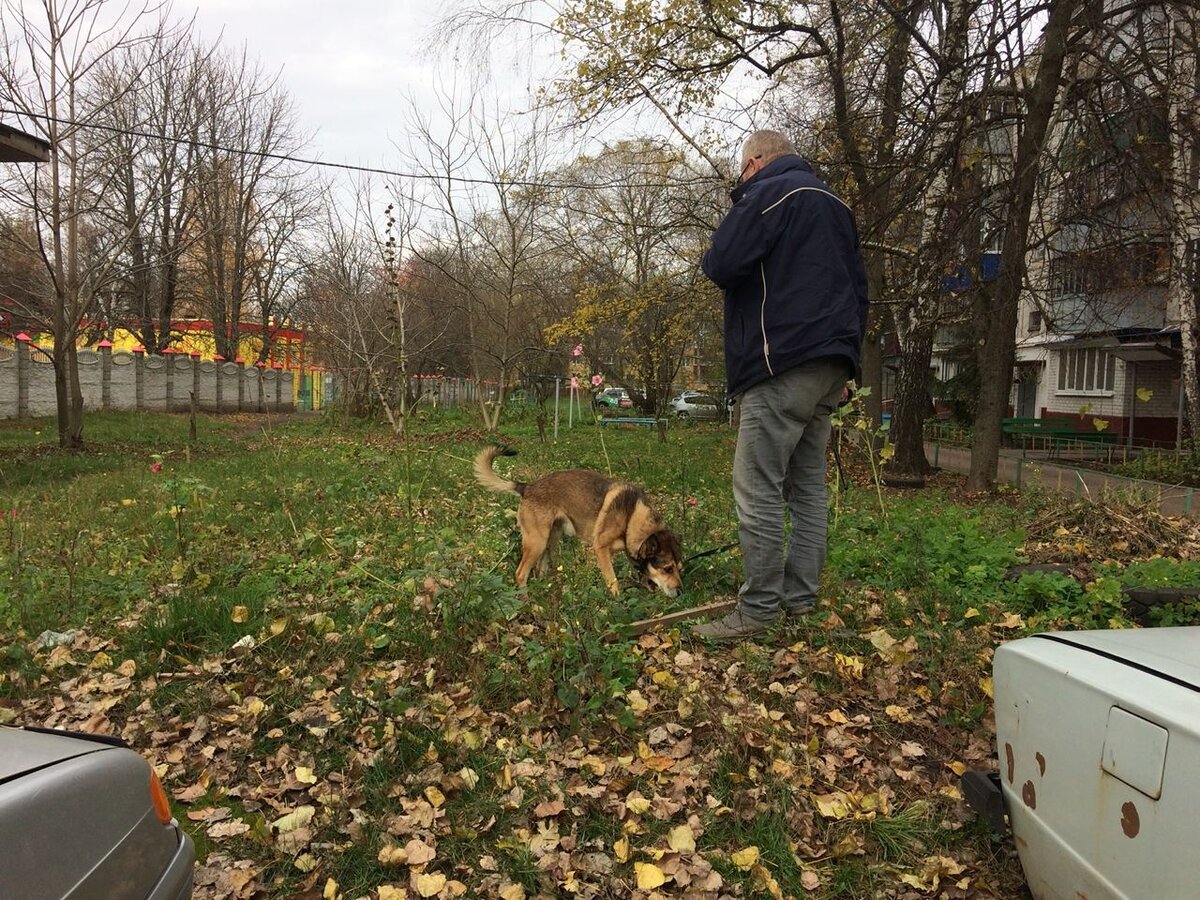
(649, 548)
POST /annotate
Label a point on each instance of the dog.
(609, 514)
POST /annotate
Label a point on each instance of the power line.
(349, 167)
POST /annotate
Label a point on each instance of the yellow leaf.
(832, 806)
(637, 805)
(391, 855)
(745, 858)
(848, 666)
(637, 702)
(681, 839)
(305, 862)
(331, 890)
(297, 818)
(621, 849)
(513, 892)
(101, 660)
(971, 613)
(985, 685)
(430, 884)
(435, 797)
(1011, 620)
(765, 881)
(127, 668)
(663, 678)
(1099, 424)
(391, 892)
(279, 626)
(649, 876)
(957, 768)
(898, 713)
(239, 614)
(1145, 394)
(305, 775)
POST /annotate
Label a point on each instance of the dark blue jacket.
(795, 286)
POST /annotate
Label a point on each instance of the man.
(787, 257)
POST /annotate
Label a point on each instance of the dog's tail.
(487, 476)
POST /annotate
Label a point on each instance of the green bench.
(631, 422)
(1055, 431)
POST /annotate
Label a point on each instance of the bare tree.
(248, 124)
(47, 74)
(484, 200)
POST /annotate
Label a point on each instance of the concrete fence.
(138, 381)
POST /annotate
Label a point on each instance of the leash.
(711, 552)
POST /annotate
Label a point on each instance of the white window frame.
(1086, 372)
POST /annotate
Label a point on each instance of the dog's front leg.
(605, 561)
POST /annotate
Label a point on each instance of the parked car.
(1097, 805)
(695, 405)
(614, 398)
(85, 816)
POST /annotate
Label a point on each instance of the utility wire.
(349, 167)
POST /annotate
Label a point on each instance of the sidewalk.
(1061, 477)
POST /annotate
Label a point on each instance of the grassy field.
(311, 629)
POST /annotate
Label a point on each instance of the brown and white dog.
(607, 513)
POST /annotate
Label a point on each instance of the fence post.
(219, 359)
(194, 402)
(23, 375)
(105, 347)
(139, 377)
(241, 364)
(169, 355)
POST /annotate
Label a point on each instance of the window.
(1035, 321)
(1087, 371)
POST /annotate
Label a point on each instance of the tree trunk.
(997, 353)
(1183, 83)
(872, 351)
(907, 430)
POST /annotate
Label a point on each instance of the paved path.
(1063, 478)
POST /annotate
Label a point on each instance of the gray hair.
(767, 145)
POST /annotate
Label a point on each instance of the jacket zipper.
(762, 320)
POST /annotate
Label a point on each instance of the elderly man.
(795, 287)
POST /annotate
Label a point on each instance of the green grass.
(390, 650)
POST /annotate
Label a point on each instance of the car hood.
(27, 751)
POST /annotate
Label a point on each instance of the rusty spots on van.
(1041, 764)
(1131, 822)
(1012, 761)
(1029, 795)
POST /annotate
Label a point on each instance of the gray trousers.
(780, 462)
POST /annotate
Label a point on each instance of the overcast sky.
(354, 66)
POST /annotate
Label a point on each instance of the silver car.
(83, 816)
(695, 405)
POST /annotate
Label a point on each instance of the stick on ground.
(711, 609)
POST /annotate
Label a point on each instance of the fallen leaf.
(430, 884)
(305, 775)
(548, 808)
(649, 876)
(239, 614)
(745, 858)
(417, 852)
(681, 839)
